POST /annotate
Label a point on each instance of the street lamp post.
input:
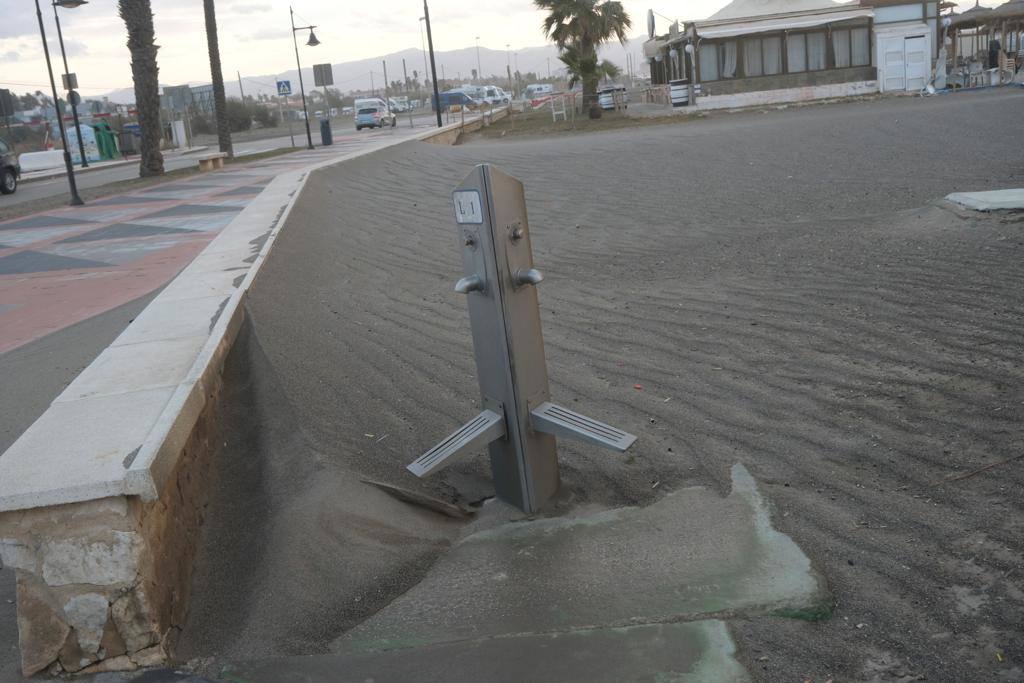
(75, 199)
(312, 42)
(508, 56)
(479, 70)
(70, 4)
(433, 63)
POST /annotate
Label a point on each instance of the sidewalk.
(64, 266)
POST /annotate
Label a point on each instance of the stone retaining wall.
(104, 585)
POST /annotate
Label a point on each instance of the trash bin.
(129, 139)
(325, 133)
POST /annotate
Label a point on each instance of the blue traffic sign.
(284, 87)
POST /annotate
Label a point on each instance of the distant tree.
(217, 77)
(579, 28)
(239, 115)
(265, 117)
(138, 19)
(27, 101)
(202, 124)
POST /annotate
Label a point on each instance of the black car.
(9, 169)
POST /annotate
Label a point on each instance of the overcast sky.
(254, 34)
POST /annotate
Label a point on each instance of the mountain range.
(452, 65)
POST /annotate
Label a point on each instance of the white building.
(770, 51)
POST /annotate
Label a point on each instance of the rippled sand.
(789, 293)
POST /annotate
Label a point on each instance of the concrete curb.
(94, 425)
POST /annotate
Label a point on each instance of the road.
(39, 189)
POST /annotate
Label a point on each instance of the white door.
(917, 62)
(894, 70)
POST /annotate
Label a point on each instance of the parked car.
(375, 116)
(607, 95)
(10, 171)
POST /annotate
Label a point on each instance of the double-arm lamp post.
(70, 4)
(433, 64)
(75, 199)
(312, 42)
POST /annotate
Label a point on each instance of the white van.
(495, 95)
(537, 90)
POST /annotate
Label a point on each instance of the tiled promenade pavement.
(63, 266)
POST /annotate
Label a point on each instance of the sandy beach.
(783, 289)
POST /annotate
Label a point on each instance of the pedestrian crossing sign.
(284, 87)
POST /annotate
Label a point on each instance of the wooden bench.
(212, 161)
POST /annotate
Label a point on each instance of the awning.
(780, 23)
(654, 47)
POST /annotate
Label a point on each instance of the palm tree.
(580, 66)
(138, 19)
(220, 106)
(579, 28)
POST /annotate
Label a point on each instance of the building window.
(753, 61)
(860, 46)
(852, 47)
(708, 62)
(806, 51)
(727, 65)
(796, 52)
(762, 56)
(772, 55)
(816, 52)
(841, 48)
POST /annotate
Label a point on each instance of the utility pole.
(479, 70)
(549, 68)
(508, 56)
(405, 75)
(433, 64)
(240, 90)
(387, 100)
(373, 89)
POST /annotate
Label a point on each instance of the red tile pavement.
(50, 301)
(48, 281)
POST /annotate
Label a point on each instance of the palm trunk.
(138, 19)
(590, 81)
(219, 102)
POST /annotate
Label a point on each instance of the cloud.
(11, 56)
(17, 20)
(264, 34)
(248, 8)
(75, 48)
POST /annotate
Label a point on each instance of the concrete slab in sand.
(695, 652)
(996, 200)
(623, 594)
